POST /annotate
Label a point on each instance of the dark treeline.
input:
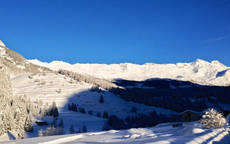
(174, 95)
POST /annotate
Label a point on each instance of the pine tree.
(54, 123)
(212, 119)
(105, 115)
(98, 114)
(54, 110)
(69, 107)
(61, 124)
(15, 111)
(134, 110)
(101, 99)
(28, 127)
(71, 129)
(84, 129)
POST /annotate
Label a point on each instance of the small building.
(41, 123)
(189, 116)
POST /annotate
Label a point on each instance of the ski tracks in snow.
(209, 138)
(63, 140)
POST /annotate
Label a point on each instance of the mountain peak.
(201, 61)
(2, 44)
(2, 48)
(216, 62)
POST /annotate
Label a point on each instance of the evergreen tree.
(84, 129)
(71, 129)
(54, 123)
(101, 99)
(28, 127)
(98, 114)
(61, 124)
(134, 110)
(105, 115)
(54, 110)
(82, 110)
(212, 119)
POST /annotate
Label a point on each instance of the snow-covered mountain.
(138, 95)
(200, 71)
(16, 63)
(39, 83)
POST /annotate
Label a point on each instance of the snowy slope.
(189, 133)
(200, 71)
(2, 49)
(2, 44)
(46, 87)
(50, 87)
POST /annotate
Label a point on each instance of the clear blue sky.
(115, 31)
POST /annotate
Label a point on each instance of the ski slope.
(189, 133)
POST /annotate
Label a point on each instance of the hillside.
(5, 83)
(16, 63)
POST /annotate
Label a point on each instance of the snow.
(189, 111)
(200, 71)
(2, 44)
(46, 87)
(189, 133)
(78, 120)
(64, 140)
(20, 66)
(51, 87)
(2, 49)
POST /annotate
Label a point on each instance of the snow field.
(163, 133)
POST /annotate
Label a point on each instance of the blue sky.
(115, 31)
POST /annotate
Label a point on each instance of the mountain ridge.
(200, 71)
(16, 63)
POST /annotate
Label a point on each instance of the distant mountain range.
(199, 71)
